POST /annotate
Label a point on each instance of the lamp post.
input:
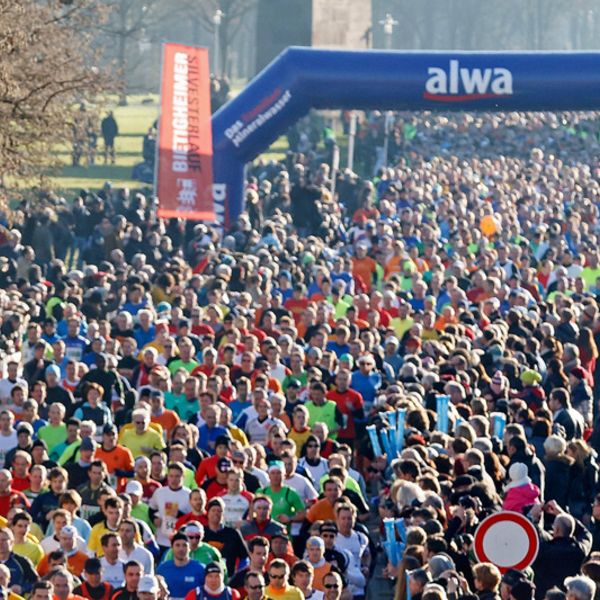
(352, 139)
(217, 20)
(388, 29)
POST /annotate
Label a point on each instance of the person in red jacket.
(350, 403)
(214, 587)
(10, 497)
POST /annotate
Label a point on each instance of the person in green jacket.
(321, 410)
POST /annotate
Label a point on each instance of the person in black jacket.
(562, 551)
(584, 478)
(22, 572)
(110, 130)
(563, 414)
(559, 468)
(594, 525)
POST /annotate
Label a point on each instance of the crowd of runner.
(185, 416)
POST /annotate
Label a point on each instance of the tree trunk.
(122, 55)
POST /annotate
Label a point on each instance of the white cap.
(148, 584)
(69, 531)
(134, 488)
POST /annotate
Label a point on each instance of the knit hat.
(347, 358)
(53, 370)
(578, 372)
(214, 567)
(518, 476)
(440, 563)
(530, 377)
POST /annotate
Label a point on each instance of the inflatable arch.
(303, 78)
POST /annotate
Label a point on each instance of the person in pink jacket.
(519, 491)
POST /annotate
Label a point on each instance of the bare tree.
(127, 23)
(47, 66)
(232, 15)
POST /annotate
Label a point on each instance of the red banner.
(184, 171)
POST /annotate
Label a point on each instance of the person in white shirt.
(8, 434)
(276, 369)
(9, 382)
(354, 542)
(132, 551)
(168, 503)
(298, 482)
(112, 567)
(312, 461)
(306, 490)
(257, 429)
(237, 500)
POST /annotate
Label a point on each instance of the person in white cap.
(139, 509)
(68, 544)
(148, 588)
(315, 556)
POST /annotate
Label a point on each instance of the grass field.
(134, 121)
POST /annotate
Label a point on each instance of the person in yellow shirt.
(141, 439)
(235, 432)
(278, 588)
(20, 524)
(300, 430)
(113, 512)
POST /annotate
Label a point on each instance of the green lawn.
(134, 121)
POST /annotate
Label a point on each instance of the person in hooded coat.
(520, 492)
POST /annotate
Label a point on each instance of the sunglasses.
(138, 422)
(332, 586)
(193, 537)
(260, 586)
(277, 576)
(238, 462)
(327, 535)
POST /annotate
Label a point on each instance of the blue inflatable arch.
(303, 78)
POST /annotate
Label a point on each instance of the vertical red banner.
(184, 172)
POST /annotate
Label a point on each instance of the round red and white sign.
(508, 540)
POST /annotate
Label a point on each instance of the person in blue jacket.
(182, 573)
